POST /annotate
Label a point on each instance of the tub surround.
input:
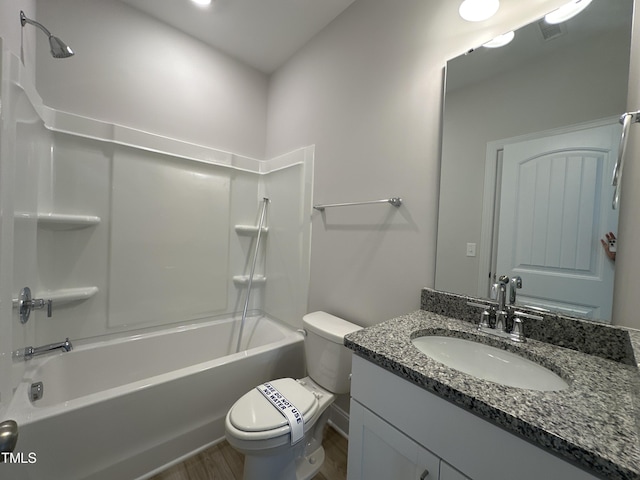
(591, 424)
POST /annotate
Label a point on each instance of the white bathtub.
(127, 408)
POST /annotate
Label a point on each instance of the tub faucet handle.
(41, 303)
(26, 303)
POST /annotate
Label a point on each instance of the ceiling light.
(478, 10)
(500, 41)
(567, 11)
(202, 3)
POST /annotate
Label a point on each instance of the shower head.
(59, 49)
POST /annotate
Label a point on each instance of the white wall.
(626, 301)
(132, 70)
(21, 42)
(541, 95)
(367, 92)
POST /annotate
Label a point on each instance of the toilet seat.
(257, 418)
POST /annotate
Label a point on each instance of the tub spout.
(30, 352)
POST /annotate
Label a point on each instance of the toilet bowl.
(259, 430)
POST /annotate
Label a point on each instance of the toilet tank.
(328, 360)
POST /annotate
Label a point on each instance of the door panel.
(554, 208)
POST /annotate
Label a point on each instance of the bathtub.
(128, 408)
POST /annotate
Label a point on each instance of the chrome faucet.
(514, 284)
(500, 311)
(29, 352)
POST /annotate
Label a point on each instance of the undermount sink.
(489, 363)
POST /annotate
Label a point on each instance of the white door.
(555, 207)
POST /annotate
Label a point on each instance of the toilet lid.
(254, 413)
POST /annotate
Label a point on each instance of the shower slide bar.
(626, 120)
(260, 229)
(395, 201)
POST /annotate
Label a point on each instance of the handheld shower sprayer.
(59, 49)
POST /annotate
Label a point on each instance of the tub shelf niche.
(60, 221)
(250, 230)
(243, 280)
(65, 295)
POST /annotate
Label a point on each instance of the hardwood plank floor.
(221, 462)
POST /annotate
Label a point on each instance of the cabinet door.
(447, 472)
(378, 451)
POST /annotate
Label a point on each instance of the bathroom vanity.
(413, 417)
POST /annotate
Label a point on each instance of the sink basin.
(489, 363)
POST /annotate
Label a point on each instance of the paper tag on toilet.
(284, 406)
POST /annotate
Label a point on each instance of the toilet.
(259, 430)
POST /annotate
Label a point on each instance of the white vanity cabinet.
(398, 431)
(381, 452)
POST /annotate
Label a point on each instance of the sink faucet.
(29, 352)
(499, 311)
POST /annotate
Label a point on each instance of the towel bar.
(395, 201)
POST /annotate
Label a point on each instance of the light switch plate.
(471, 249)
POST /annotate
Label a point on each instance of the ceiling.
(261, 33)
(600, 18)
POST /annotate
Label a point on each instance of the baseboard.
(339, 420)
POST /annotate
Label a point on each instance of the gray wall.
(16, 39)
(366, 91)
(133, 70)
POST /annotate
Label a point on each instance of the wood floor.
(221, 462)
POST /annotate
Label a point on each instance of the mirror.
(529, 138)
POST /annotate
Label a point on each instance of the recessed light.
(202, 3)
(567, 11)
(478, 10)
(500, 41)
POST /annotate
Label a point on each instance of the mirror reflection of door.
(554, 207)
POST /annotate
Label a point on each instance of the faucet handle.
(26, 303)
(485, 316)
(517, 333)
(38, 303)
(527, 315)
(486, 306)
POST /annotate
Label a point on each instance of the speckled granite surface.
(592, 423)
(586, 336)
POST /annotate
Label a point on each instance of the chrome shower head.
(59, 49)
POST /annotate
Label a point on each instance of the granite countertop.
(592, 423)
